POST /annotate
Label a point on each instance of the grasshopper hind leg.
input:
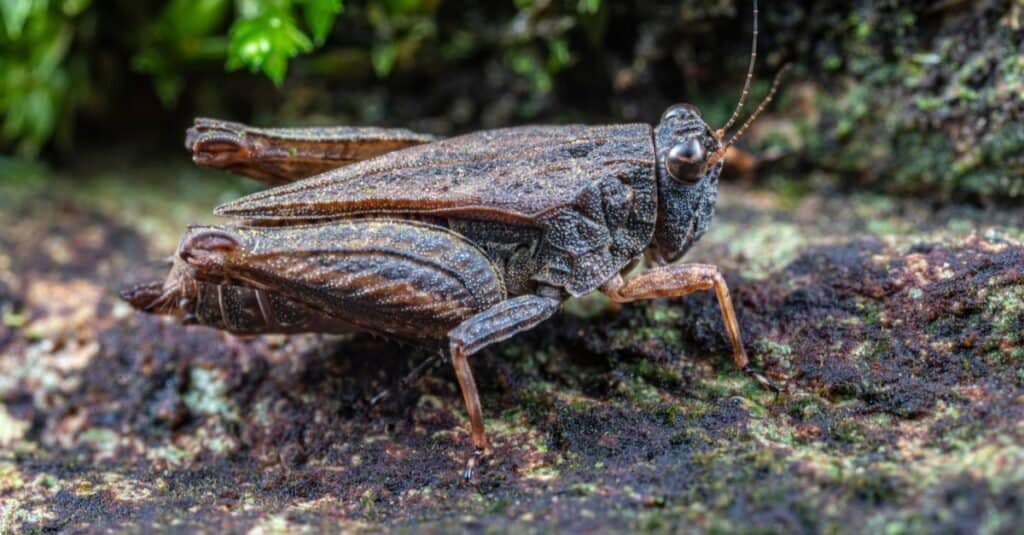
(405, 279)
(495, 324)
(282, 155)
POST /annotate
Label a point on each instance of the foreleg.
(678, 280)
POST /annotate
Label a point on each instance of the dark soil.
(896, 330)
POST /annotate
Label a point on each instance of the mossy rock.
(895, 328)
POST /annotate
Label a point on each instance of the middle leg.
(495, 324)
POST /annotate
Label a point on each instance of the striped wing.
(513, 174)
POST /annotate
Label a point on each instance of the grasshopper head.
(689, 159)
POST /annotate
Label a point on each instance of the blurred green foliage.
(903, 96)
(39, 82)
(42, 82)
(47, 47)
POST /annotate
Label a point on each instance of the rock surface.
(896, 327)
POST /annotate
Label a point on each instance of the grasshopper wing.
(514, 175)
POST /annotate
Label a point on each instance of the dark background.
(926, 94)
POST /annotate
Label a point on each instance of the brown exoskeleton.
(470, 239)
(236, 309)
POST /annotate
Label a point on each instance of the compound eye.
(677, 110)
(687, 161)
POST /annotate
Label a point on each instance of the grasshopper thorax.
(689, 161)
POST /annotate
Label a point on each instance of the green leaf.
(383, 57)
(15, 13)
(184, 32)
(73, 8)
(48, 56)
(397, 7)
(192, 18)
(320, 15)
(168, 87)
(588, 7)
(249, 9)
(558, 54)
(265, 44)
(527, 66)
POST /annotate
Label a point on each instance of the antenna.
(720, 133)
(760, 107)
